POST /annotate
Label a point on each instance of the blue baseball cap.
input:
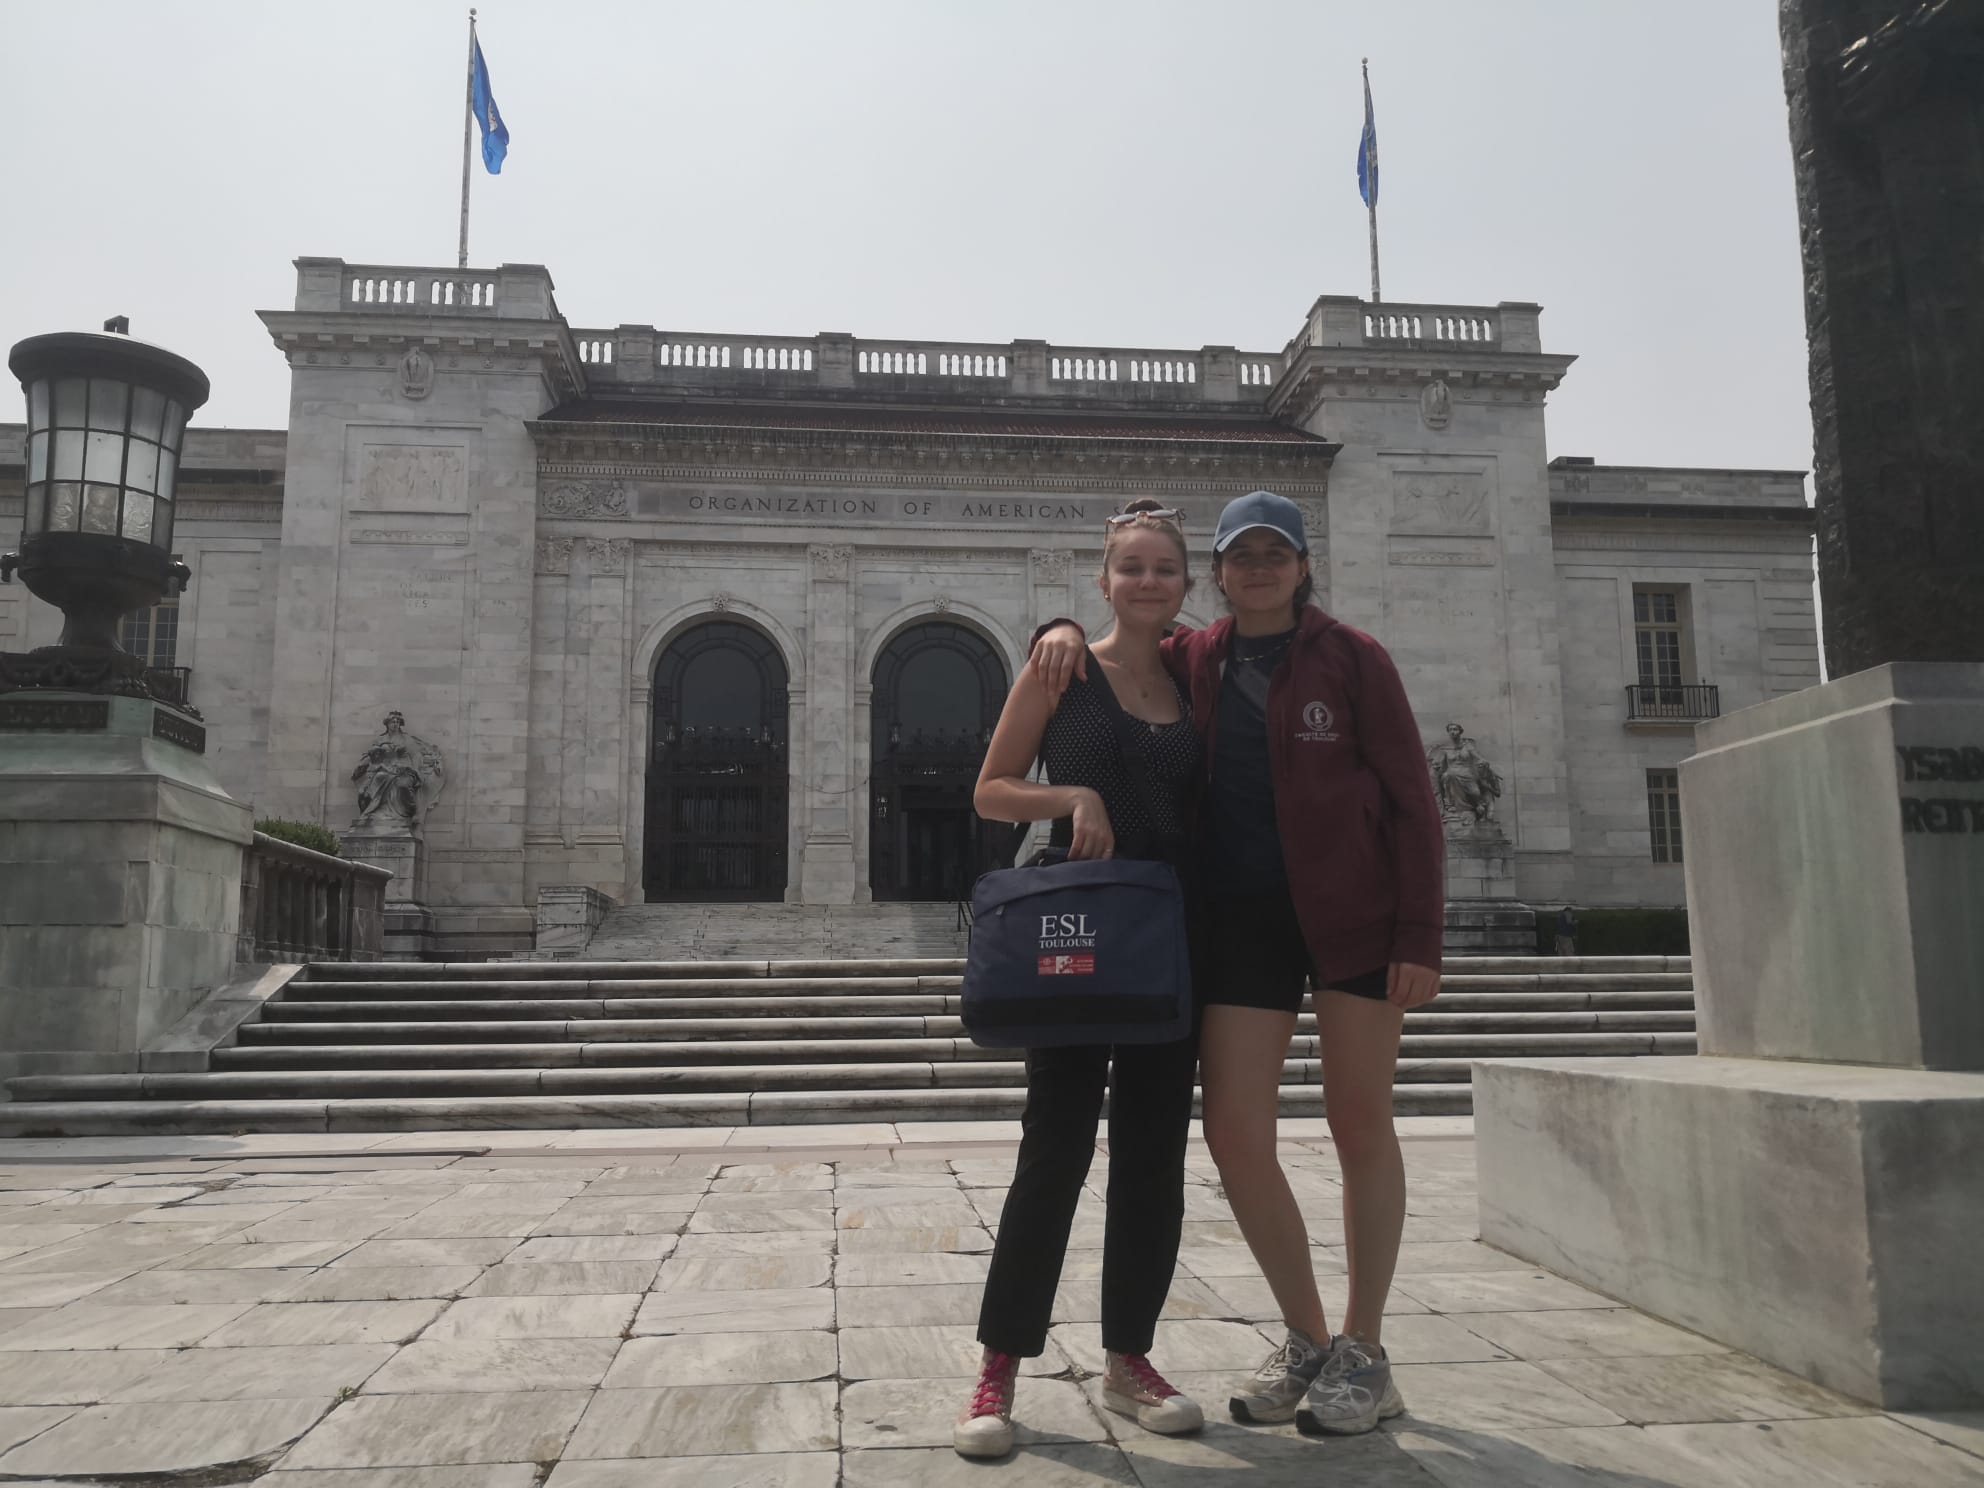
(1261, 509)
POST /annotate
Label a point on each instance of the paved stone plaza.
(789, 1308)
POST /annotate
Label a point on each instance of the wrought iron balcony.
(171, 684)
(1660, 702)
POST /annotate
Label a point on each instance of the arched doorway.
(938, 691)
(717, 763)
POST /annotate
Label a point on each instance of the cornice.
(921, 460)
(1470, 376)
(309, 338)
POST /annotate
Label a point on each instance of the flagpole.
(1372, 206)
(468, 128)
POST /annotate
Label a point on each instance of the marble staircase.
(417, 1046)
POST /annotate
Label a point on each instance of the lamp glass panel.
(68, 460)
(147, 412)
(175, 424)
(109, 401)
(71, 401)
(103, 458)
(36, 518)
(38, 457)
(162, 524)
(65, 502)
(38, 405)
(100, 509)
(168, 472)
(138, 516)
(141, 468)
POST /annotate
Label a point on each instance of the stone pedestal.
(1824, 1217)
(120, 879)
(1811, 1189)
(1484, 916)
(409, 925)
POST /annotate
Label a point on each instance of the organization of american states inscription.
(938, 509)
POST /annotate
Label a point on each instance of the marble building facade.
(696, 615)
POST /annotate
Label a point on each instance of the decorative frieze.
(590, 498)
(829, 561)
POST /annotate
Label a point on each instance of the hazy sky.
(1102, 172)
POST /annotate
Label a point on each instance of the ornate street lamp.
(106, 420)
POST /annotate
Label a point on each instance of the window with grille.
(153, 635)
(1663, 814)
(1658, 634)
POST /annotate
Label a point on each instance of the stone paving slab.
(748, 1308)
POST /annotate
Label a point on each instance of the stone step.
(284, 1010)
(543, 1112)
(337, 1084)
(828, 1051)
(373, 1030)
(626, 970)
(476, 990)
(526, 971)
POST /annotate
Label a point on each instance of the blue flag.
(495, 133)
(1367, 151)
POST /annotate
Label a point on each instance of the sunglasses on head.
(1164, 514)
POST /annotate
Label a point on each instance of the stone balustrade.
(633, 356)
(454, 291)
(299, 905)
(1344, 320)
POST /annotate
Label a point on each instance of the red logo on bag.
(1066, 966)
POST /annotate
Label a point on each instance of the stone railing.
(299, 905)
(1341, 320)
(641, 356)
(453, 291)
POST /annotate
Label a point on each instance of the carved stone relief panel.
(1451, 501)
(412, 478)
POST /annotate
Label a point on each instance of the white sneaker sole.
(1253, 1410)
(1309, 1424)
(986, 1444)
(1177, 1423)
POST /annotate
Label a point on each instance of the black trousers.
(1150, 1109)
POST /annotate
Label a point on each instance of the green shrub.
(303, 834)
(1619, 932)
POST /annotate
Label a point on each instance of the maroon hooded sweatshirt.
(1360, 827)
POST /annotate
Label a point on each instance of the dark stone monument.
(1887, 128)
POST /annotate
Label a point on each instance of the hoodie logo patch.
(1318, 724)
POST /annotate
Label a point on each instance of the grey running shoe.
(1281, 1382)
(1352, 1394)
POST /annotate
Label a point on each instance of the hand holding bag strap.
(1136, 763)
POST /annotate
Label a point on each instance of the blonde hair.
(1167, 525)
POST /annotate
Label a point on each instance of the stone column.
(603, 810)
(828, 873)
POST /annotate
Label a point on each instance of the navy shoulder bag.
(1090, 952)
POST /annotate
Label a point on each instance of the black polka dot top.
(1081, 747)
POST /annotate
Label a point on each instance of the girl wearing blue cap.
(1321, 849)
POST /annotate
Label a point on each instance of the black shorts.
(1251, 954)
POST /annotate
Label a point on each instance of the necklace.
(1274, 646)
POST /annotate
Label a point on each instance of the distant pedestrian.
(1567, 931)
